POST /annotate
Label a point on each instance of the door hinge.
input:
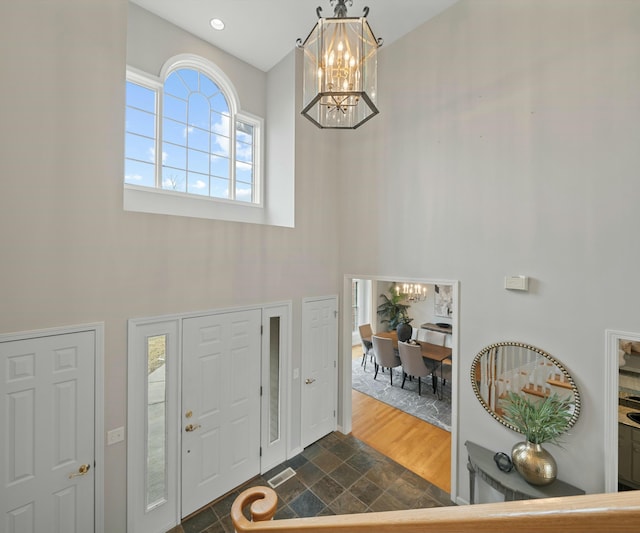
(260, 390)
(334, 363)
(260, 451)
(334, 413)
(261, 329)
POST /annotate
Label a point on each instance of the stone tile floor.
(336, 475)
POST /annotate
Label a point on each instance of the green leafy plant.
(392, 311)
(539, 422)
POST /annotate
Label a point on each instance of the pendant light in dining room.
(340, 70)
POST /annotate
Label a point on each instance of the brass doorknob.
(81, 471)
(309, 381)
(191, 427)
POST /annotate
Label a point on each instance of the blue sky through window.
(196, 139)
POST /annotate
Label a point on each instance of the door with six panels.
(47, 436)
(220, 405)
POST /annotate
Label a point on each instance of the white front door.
(47, 442)
(220, 405)
(319, 368)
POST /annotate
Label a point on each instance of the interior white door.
(47, 442)
(319, 368)
(221, 405)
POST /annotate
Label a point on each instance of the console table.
(435, 327)
(511, 484)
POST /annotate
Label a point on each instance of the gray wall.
(513, 150)
(151, 41)
(71, 255)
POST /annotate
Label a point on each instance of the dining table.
(440, 355)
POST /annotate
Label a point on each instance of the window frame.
(163, 201)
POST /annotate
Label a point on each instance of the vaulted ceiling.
(262, 32)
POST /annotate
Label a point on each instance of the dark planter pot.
(404, 332)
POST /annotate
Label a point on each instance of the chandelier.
(340, 70)
(414, 292)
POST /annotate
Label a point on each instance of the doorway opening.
(622, 382)
(423, 311)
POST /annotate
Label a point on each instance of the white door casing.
(275, 390)
(191, 350)
(160, 513)
(346, 383)
(319, 368)
(220, 405)
(48, 426)
(611, 395)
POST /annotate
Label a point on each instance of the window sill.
(161, 202)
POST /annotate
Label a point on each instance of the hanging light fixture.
(340, 70)
(413, 292)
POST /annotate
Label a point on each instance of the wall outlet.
(115, 435)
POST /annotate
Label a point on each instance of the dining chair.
(367, 347)
(435, 337)
(385, 356)
(413, 363)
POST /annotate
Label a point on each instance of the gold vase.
(535, 464)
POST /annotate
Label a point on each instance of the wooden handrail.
(617, 512)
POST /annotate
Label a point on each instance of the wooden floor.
(417, 445)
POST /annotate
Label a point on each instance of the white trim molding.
(99, 431)
(611, 387)
(158, 200)
(195, 62)
(166, 513)
(345, 365)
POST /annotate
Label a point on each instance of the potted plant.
(395, 314)
(539, 421)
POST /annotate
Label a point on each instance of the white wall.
(70, 254)
(507, 143)
(151, 41)
(280, 141)
(514, 151)
(425, 310)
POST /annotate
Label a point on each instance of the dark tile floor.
(336, 475)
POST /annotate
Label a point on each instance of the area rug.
(426, 407)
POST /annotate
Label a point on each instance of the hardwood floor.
(418, 446)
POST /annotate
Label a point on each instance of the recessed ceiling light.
(217, 24)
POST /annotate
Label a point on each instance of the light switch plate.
(115, 435)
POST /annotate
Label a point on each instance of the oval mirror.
(516, 367)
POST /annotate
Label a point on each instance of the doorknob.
(309, 381)
(81, 471)
(191, 427)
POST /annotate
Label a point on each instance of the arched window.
(185, 135)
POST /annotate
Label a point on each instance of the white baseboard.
(295, 452)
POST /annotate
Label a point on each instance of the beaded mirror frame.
(511, 366)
